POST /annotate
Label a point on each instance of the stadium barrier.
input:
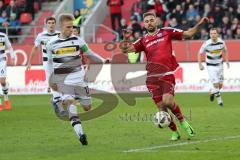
(65, 7)
(33, 81)
(99, 12)
(185, 51)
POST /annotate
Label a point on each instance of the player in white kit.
(68, 73)
(214, 49)
(5, 44)
(41, 40)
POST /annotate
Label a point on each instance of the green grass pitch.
(31, 131)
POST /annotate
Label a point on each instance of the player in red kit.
(161, 64)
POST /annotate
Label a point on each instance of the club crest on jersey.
(159, 34)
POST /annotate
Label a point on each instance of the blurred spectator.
(136, 10)
(235, 25)
(134, 57)
(229, 34)
(13, 21)
(185, 25)
(218, 14)
(144, 6)
(178, 13)
(211, 24)
(204, 34)
(136, 27)
(206, 11)
(238, 11)
(2, 7)
(159, 22)
(12, 8)
(115, 11)
(136, 36)
(14, 26)
(121, 27)
(78, 18)
(186, 5)
(158, 8)
(223, 14)
(171, 4)
(237, 35)
(4, 19)
(30, 8)
(6, 2)
(230, 13)
(225, 26)
(173, 23)
(191, 13)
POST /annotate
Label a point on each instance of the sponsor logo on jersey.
(154, 42)
(159, 34)
(66, 50)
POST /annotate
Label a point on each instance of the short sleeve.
(83, 45)
(138, 45)
(7, 42)
(202, 49)
(176, 34)
(37, 41)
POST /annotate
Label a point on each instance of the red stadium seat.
(36, 7)
(25, 18)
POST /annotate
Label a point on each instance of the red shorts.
(160, 86)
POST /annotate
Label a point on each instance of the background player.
(42, 39)
(5, 44)
(64, 52)
(161, 65)
(214, 47)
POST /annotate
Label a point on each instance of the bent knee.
(87, 107)
(167, 101)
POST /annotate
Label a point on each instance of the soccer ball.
(162, 119)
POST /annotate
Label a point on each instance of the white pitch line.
(181, 144)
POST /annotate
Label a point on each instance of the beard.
(151, 30)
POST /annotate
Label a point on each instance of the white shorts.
(48, 69)
(76, 80)
(3, 69)
(215, 73)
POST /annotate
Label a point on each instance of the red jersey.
(158, 50)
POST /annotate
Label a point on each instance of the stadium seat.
(25, 18)
(36, 7)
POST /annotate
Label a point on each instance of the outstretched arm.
(94, 56)
(192, 31)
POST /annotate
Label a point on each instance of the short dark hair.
(149, 14)
(214, 29)
(50, 19)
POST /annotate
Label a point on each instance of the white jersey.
(61, 51)
(5, 44)
(213, 51)
(42, 39)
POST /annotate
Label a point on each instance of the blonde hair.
(65, 17)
